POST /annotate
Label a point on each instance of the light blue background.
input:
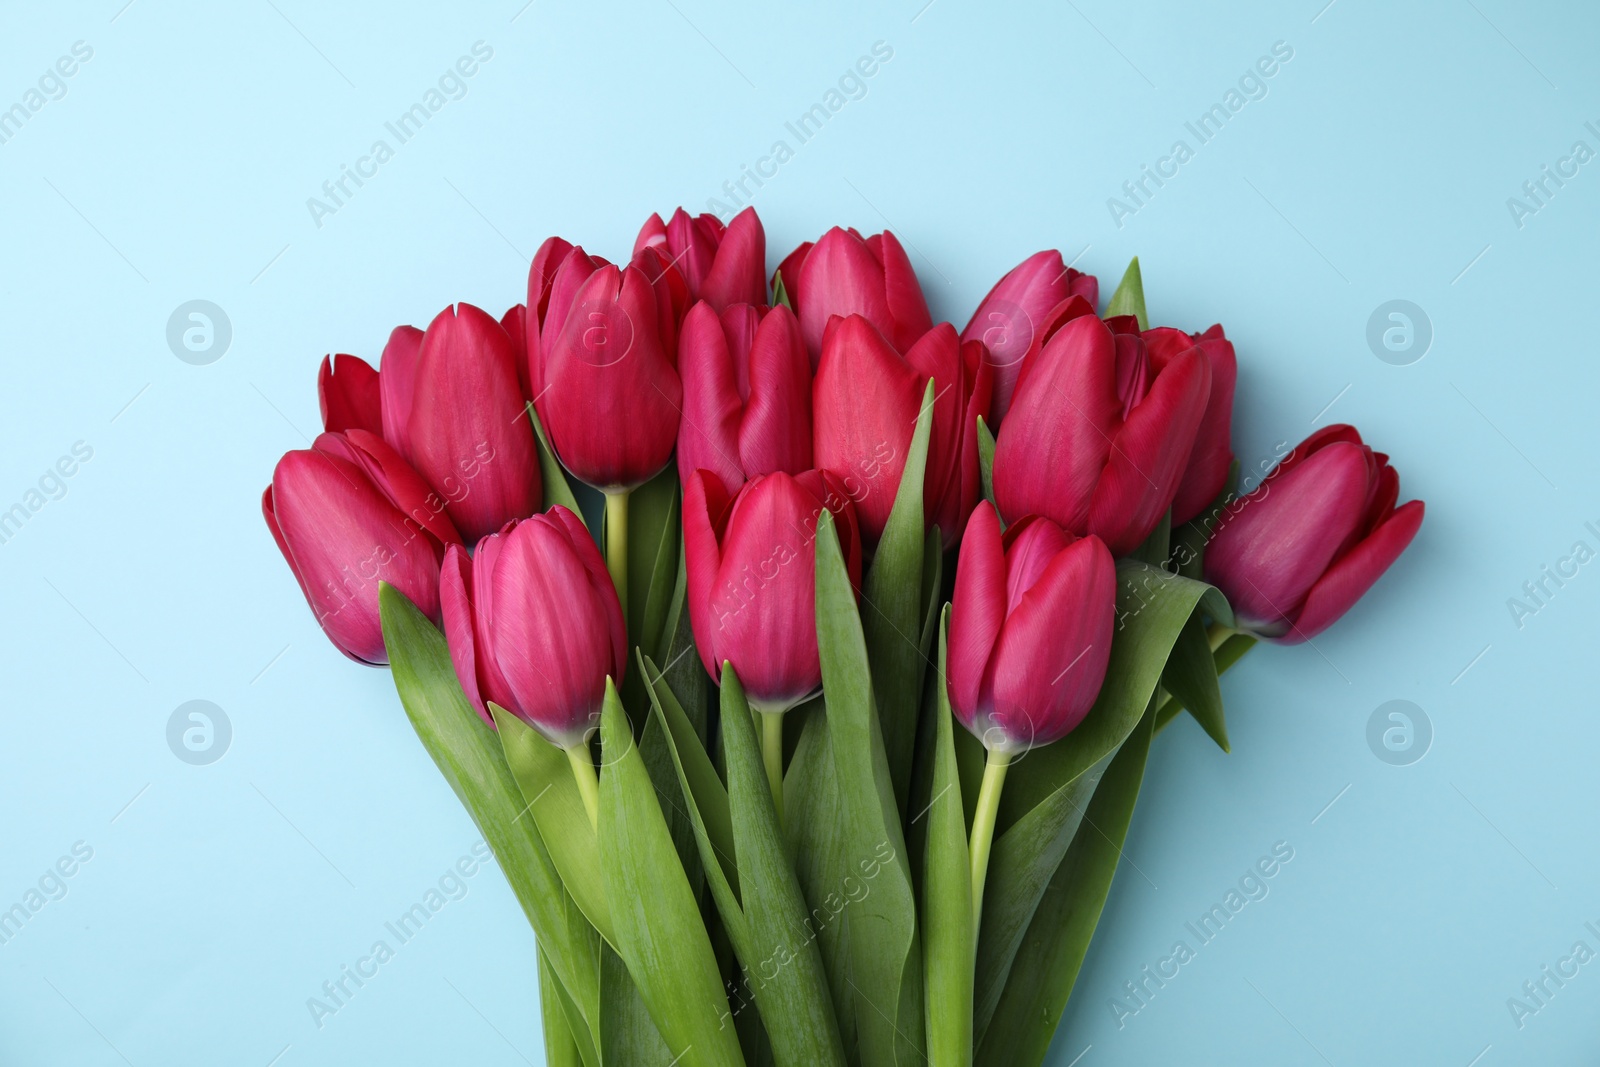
(178, 165)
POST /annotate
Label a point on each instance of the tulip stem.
(772, 756)
(994, 777)
(617, 543)
(588, 781)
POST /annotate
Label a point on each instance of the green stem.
(1218, 636)
(617, 543)
(588, 781)
(994, 777)
(772, 756)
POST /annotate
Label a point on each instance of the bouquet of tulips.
(687, 584)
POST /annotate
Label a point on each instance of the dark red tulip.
(347, 393)
(746, 394)
(1021, 311)
(534, 624)
(1030, 630)
(752, 577)
(515, 323)
(349, 513)
(722, 265)
(1207, 474)
(1097, 437)
(847, 274)
(466, 431)
(397, 384)
(558, 271)
(1296, 553)
(607, 387)
(866, 402)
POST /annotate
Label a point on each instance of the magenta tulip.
(866, 402)
(1030, 630)
(349, 513)
(746, 394)
(1017, 317)
(347, 393)
(534, 625)
(722, 265)
(1296, 553)
(847, 274)
(1097, 437)
(607, 387)
(558, 271)
(466, 432)
(752, 578)
(1207, 474)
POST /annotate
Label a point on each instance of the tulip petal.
(347, 393)
(1057, 436)
(738, 272)
(902, 291)
(775, 432)
(840, 277)
(468, 434)
(705, 510)
(397, 385)
(1149, 455)
(979, 610)
(1350, 578)
(708, 434)
(455, 603)
(588, 553)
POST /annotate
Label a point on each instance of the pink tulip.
(722, 265)
(746, 394)
(515, 323)
(866, 402)
(1030, 630)
(671, 292)
(347, 393)
(752, 578)
(558, 271)
(847, 274)
(534, 625)
(1019, 313)
(607, 387)
(1203, 480)
(349, 513)
(466, 431)
(1098, 437)
(1298, 552)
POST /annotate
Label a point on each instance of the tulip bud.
(752, 578)
(1207, 474)
(1030, 630)
(1296, 553)
(515, 323)
(466, 432)
(1098, 437)
(347, 514)
(847, 274)
(746, 394)
(534, 625)
(1021, 311)
(722, 265)
(866, 402)
(607, 388)
(347, 393)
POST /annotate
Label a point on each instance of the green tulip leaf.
(892, 619)
(817, 838)
(628, 1034)
(1129, 297)
(1157, 546)
(1191, 677)
(469, 756)
(781, 963)
(563, 1024)
(986, 460)
(885, 954)
(550, 793)
(1226, 655)
(660, 935)
(947, 943)
(557, 490)
(780, 294)
(1047, 790)
(1052, 952)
